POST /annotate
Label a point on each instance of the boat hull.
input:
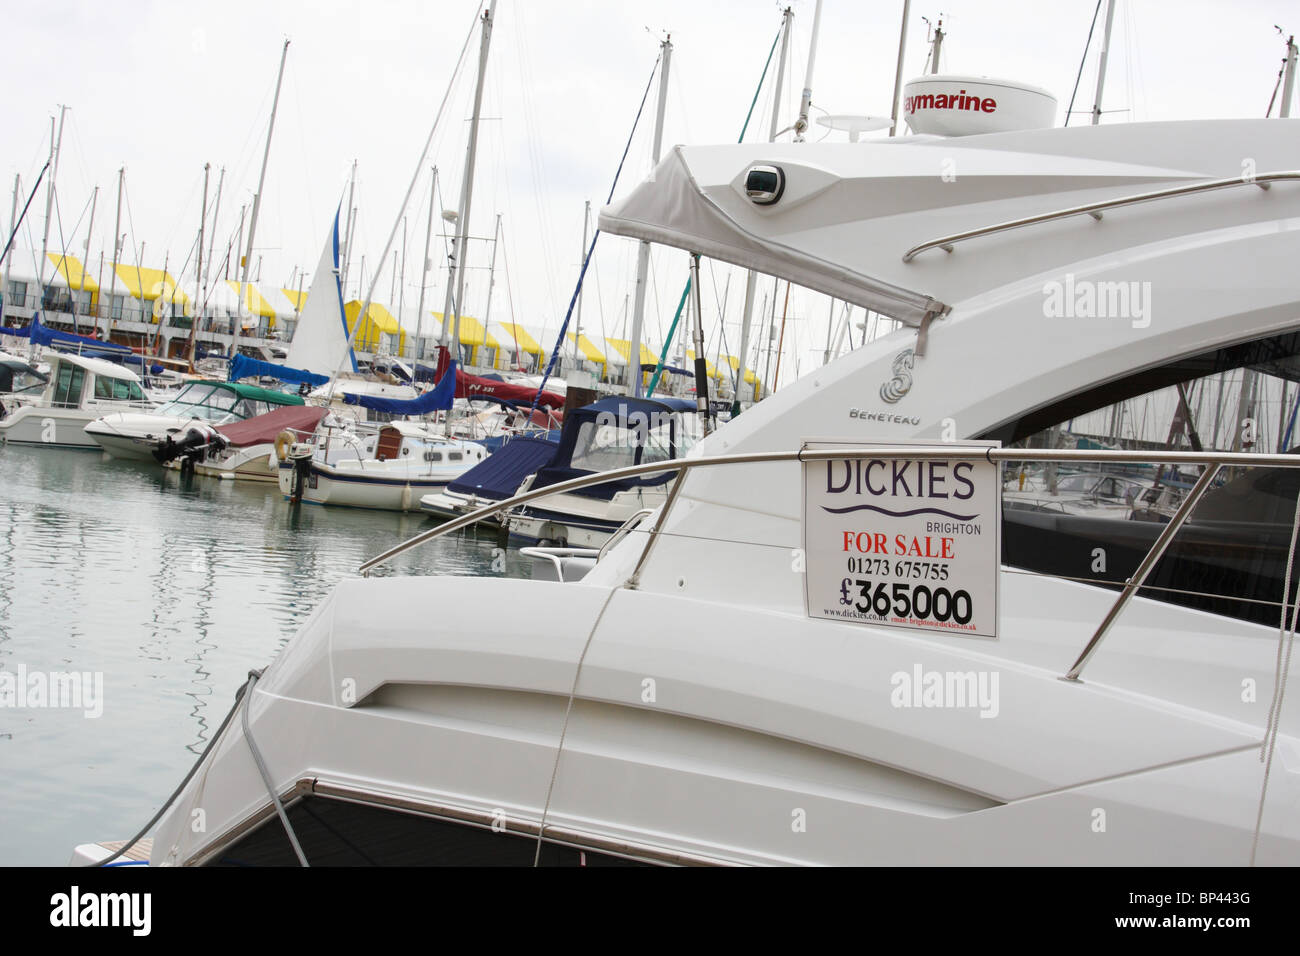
(52, 427)
(327, 485)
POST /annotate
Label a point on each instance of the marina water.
(170, 589)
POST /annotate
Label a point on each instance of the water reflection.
(173, 587)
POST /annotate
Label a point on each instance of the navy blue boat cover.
(499, 475)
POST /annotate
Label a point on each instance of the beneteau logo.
(102, 909)
(1085, 299)
(901, 383)
(946, 689)
(949, 101)
(71, 690)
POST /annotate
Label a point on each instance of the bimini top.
(255, 393)
(838, 217)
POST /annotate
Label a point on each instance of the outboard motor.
(300, 453)
(195, 444)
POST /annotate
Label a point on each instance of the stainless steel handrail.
(914, 452)
(1263, 181)
(1213, 462)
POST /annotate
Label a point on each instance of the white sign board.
(902, 542)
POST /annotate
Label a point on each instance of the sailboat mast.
(935, 46)
(898, 70)
(701, 369)
(424, 269)
(577, 315)
(216, 217)
(117, 248)
(492, 277)
(805, 100)
(56, 143)
(351, 221)
(261, 184)
(467, 187)
(1288, 79)
(13, 224)
(1101, 67)
(90, 231)
(643, 252)
(199, 288)
(751, 277)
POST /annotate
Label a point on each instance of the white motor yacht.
(137, 435)
(693, 700)
(79, 390)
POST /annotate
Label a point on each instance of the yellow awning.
(149, 284)
(749, 372)
(377, 321)
(296, 299)
(526, 343)
(624, 348)
(589, 351)
(471, 331)
(73, 273)
(254, 301)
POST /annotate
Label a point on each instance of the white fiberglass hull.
(134, 436)
(352, 487)
(791, 758)
(254, 463)
(53, 427)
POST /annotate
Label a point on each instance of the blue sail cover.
(437, 399)
(241, 366)
(44, 335)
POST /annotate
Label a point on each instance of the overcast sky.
(162, 88)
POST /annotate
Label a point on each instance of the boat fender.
(282, 443)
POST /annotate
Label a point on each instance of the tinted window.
(67, 385)
(1082, 521)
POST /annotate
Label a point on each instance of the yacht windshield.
(205, 401)
(1095, 524)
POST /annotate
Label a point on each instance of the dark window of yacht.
(338, 833)
(67, 385)
(1231, 555)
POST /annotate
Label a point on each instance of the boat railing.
(1095, 209)
(1211, 462)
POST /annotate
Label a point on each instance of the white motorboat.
(680, 704)
(138, 435)
(389, 470)
(251, 449)
(79, 391)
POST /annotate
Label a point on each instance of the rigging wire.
(559, 342)
(1082, 60)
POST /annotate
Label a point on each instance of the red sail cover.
(467, 385)
(262, 429)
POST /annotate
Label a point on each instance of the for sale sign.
(904, 542)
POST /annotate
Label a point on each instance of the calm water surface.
(171, 589)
